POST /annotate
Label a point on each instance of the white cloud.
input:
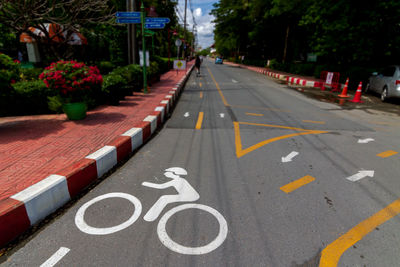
(197, 12)
(205, 27)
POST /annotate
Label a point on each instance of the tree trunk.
(286, 43)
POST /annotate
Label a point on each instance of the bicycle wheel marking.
(84, 227)
(172, 245)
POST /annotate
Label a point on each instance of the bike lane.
(265, 226)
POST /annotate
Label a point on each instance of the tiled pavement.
(34, 147)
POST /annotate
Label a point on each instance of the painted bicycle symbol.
(186, 193)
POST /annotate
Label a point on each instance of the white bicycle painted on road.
(186, 193)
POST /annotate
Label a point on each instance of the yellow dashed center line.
(297, 184)
(219, 89)
(318, 122)
(254, 114)
(201, 94)
(199, 121)
(200, 85)
(387, 154)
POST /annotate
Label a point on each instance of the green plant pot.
(75, 111)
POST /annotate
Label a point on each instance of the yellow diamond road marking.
(297, 184)
(238, 141)
(387, 154)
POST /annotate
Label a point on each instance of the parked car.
(218, 60)
(386, 83)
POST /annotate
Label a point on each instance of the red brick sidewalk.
(34, 147)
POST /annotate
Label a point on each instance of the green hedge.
(27, 98)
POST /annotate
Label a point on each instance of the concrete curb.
(28, 207)
(291, 80)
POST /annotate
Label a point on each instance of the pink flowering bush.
(73, 81)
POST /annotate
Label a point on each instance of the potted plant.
(74, 82)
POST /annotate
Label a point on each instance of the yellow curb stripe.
(330, 256)
(219, 89)
(318, 122)
(199, 121)
(254, 114)
(290, 187)
(387, 154)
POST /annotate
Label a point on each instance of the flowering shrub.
(9, 72)
(72, 80)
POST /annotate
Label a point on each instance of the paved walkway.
(34, 147)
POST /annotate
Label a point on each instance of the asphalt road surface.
(265, 175)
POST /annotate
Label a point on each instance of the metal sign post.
(144, 52)
(146, 23)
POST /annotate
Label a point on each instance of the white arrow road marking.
(222, 115)
(360, 175)
(186, 115)
(289, 157)
(366, 140)
(234, 81)
(56, 257)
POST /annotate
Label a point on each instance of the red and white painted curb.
(28, 207)
(292, 80)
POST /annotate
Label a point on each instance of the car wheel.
(384, 94)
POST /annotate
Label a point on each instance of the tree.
(68, 16)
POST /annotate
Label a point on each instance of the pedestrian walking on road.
(197, 64)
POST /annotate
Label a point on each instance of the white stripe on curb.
(44, 197)
(153, 122)
(167, 103)
(106, 158)
(162, 109)
(136, 135)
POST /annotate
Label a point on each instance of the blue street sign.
(128, 20)
(154, 25)
(157, 20)
(128, 15)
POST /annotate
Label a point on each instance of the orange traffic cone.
(357, 96)
(344, 92)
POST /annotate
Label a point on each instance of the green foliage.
(30, 97)
(162, 63)
(9, 73)
(55, 103)
(30, 74)
(105, 67)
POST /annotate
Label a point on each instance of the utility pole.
(132, 58)
(184, 31)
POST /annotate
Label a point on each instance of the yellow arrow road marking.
(290, 187)
(238, 141)
(330, 256)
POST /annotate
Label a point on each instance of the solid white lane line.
(56, 257)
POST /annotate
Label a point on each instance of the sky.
(201, 10)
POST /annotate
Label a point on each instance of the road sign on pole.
(128, 15)
(128, 20)
(154, 25)
(157, 20)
